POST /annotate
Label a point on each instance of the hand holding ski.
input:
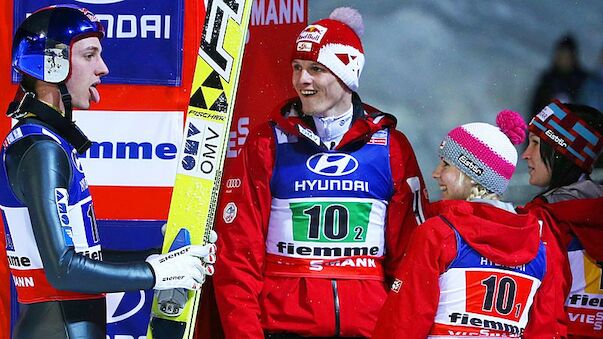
(183, 267)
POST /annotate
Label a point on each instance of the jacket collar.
(366, 121)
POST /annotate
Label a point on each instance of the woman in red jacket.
(477, 268)
(564, 143)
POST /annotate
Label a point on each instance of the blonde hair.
(477, 190)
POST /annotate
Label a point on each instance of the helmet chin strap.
(66, 99)
(63, 124)
(13, 107)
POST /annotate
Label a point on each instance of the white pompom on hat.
(335, 43)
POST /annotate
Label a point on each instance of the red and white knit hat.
(335, 43)
(484, 152)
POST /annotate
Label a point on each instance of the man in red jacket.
(330, 192)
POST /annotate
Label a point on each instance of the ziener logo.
(332, 164)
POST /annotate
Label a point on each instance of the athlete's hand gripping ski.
(185, 267)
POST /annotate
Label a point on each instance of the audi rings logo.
(233, 183)
(332, 164)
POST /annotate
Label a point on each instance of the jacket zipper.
(336, 304)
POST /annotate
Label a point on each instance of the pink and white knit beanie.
(484, 152)
(335, 43)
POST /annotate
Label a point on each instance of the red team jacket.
(581, 220)
(499, 236)
(251, 302)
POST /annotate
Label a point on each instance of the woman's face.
(540, 173)
(453, 183)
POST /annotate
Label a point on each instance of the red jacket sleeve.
(405, 210)
(411, 305)
(238, 279)
(547, 317)
(580, 218)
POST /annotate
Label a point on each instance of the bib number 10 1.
(498, 294)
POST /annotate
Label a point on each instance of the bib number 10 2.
(325, 222)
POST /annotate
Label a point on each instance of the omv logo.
(99, 2)
(121, 306)
(332, 164)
